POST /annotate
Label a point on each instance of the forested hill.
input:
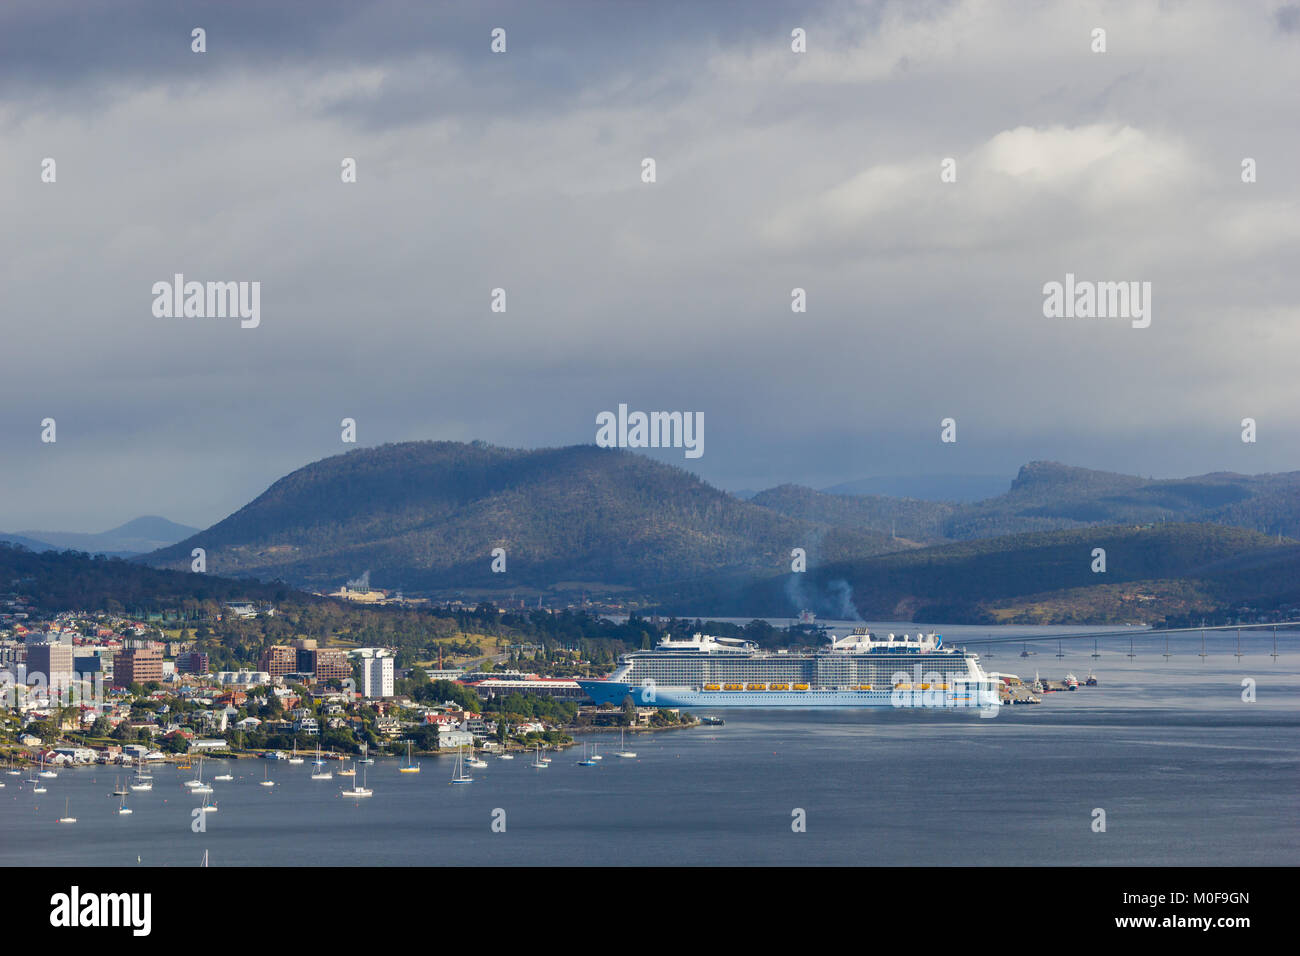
(1049, 496)
(1151, 572)
(428, 515)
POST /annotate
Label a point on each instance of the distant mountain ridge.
(1152, 572)
(1049, 496)
(137, 536)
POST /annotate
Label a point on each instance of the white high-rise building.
(376, 673)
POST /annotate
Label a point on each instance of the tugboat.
(1091, 681)
(1071, 682)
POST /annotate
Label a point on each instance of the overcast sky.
(522, 170)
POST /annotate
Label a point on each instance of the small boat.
(356, 791)
(621, 751)
(460, 776)
(594, 755)
(197, 785)
(1071, 682)
(1091, 681)
(350, 772)
(268, 782)
(123, 809)
(476, 762)
(208, 807)
(66, 818)
(13, 771)
(294, 758)
(410, 767)
(538, 762)
(118, 789)
(39, 789)
(223, 777)
(47, 774)
(586, 761)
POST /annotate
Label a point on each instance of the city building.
(194, 662)
(279, 659)
(376, 673)
(50, 663)
(330, 663)
(138, 666)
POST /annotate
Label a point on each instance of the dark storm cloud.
(522, 171)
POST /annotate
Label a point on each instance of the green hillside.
(1151, 572)
(427, 515)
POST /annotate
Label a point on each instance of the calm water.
(1186, 771)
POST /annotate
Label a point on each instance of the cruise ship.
(858, 670)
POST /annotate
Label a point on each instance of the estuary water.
(1186, 771)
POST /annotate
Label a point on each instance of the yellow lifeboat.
(733, 686)
(711, 687)
(901, 686)
(778, 686)
(755, 687)
(800, 686)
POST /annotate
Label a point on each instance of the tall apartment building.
(306, 648)
(279, 659)
(376, 674)
(53, 662)
(330, 663)
(138, 665)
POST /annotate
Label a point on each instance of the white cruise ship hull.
(615, 692)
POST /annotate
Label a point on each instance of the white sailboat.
(197, 785)
(410, 767)
(538, 762)
(622, 751)
(268, 782)
(295, 759)
(320, 773)
(208, 807)
(224, 776)
(118, 789)
(477, 762)
(586, 761)
(143, 781)
(13, 771)
(594, 755)
(356, 791)
(505, 752)
(460, 776)
(66, 818)
(122, 808)
(47, 774)
(350, 772)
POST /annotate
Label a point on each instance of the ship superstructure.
(858, 670)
